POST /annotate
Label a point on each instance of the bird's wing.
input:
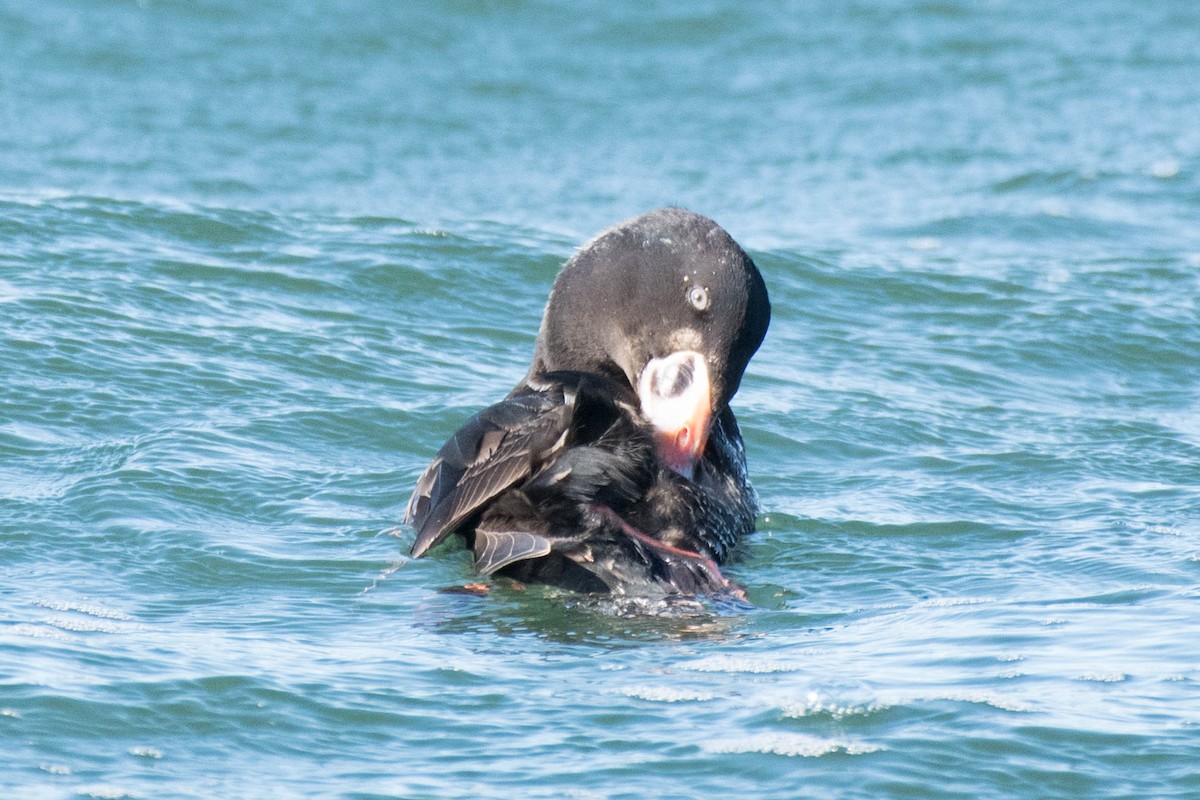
(494, 450)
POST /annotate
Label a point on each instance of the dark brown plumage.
(616, 465)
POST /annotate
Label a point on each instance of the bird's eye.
(698, 297)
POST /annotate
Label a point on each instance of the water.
(259, 260)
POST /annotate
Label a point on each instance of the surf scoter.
(616, 464)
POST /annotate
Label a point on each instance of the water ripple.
(260, 261)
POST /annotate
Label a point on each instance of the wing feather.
(497, 549)
(494, 450)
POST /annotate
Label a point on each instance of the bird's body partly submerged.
(616, 464)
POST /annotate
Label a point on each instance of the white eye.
(698, 297)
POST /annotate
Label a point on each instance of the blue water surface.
(260, 259)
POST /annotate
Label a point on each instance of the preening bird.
(616, 464)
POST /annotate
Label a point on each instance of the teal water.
(259, 260)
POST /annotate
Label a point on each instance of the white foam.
(790, 744)
(84, 608)
(86, 625)
(1103, 677)
(145, 752)
(104, 791)
(657, 694)
(950, 602)
(39, 632)
(739, 665)
(814, 704)
(980, 698)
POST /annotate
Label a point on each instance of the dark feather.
(495, 449)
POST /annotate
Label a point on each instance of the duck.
(616, 465)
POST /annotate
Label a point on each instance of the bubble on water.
(1103, 677)
(39, 632)
(145, 752)
(790, 744)
(87, 625)
(816, 705)
(104, 791)
(732, 664)
(657, 694)
(90, 609)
